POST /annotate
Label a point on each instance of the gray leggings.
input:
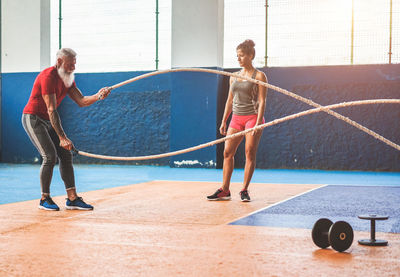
(46, 141)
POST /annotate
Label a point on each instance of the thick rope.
(258, 127)
(278, 89)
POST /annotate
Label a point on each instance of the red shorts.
(243, 122)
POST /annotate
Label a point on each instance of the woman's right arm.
(228, 110)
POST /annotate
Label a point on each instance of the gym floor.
(155, 221)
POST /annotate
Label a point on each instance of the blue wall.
(193, 117)
(170, 112)
(15, 145)
(141, 118)
(133, 121)
(321, 141)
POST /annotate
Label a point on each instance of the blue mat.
(336, 203)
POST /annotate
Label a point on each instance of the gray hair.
(65, 52)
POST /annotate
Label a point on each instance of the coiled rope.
(318, 108)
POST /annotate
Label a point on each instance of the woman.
(247, 102)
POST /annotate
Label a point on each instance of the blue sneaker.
(48, 204)
(78, 204)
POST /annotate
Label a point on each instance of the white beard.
(67, 78)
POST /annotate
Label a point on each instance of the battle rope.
(278, 89)
(258, 127)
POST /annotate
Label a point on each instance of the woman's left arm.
(262, 96)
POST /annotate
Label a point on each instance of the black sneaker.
(244, 195)
(220, 195)
(48, 204)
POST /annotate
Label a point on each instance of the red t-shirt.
(47, 82)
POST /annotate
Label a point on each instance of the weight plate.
(340, 236)
(373, 242)
(320, 231)
(374, 217)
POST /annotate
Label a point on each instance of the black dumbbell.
(338, 235)
(372, 241)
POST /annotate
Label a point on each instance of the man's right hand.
(66, 143)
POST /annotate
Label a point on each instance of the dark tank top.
(245, 97)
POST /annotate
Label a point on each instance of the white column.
(25, 35)
(45, 54)
(197, 33)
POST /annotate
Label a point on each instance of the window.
(244, 19)
(114, 35)
(313, 32)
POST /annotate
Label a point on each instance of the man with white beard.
(42, 123)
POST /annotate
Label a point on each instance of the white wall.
(197, 33)
(25, 35)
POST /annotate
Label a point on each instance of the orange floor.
(165, 228)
